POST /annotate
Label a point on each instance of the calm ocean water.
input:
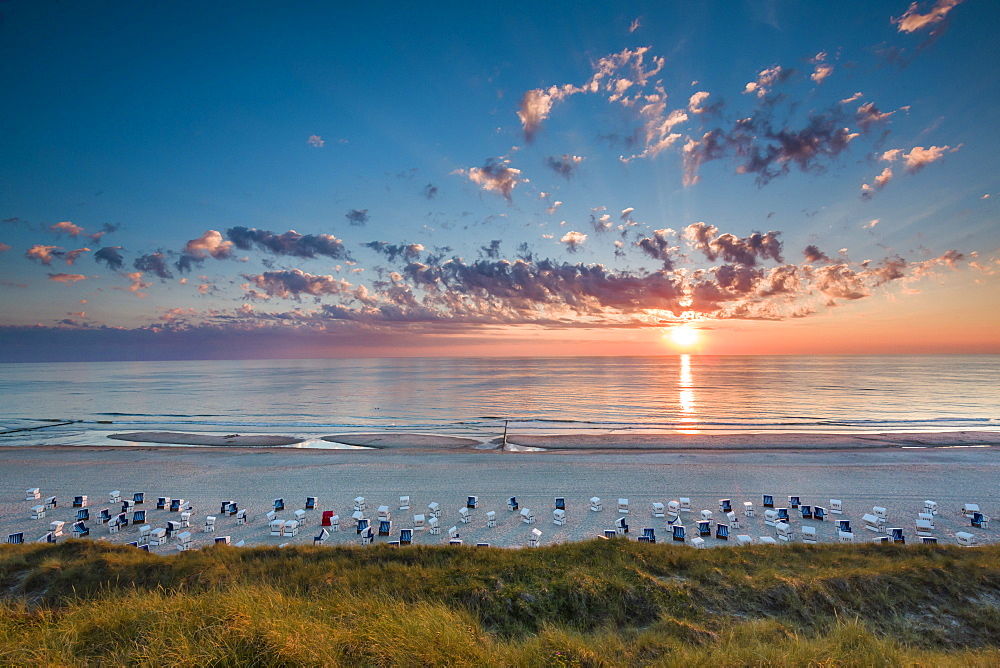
(475, 396)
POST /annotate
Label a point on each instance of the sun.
(682, 336)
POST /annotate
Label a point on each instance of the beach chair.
(105, 516)
(15, 538)
(361, 525)
(231, 509)
(743, 539)
(685, 504)
(359, 503)
(807, 511)
(734, 521)
(404, 503)
(276, 526)
(527, 516)
(677, 532)
(836, 507)
(707, 515)
(965, 538)
(928, 517)
(115, 496)
(114, 526)
(748, 510)
(162, 502)
(367, 536)
(482, 544)
(704, 528)
(595, 504)
(270, 515)
(819, 513)
(279, 505)
(177, 505)
(241, 517)
(127, 505)
(644, 539)
(621, 526)
(844, 525)
(980, 521)
(698, 543)
(931, 507)
(138, 498)
(928, 540)
(969, 508)
(47, 538)
(873, 523)
(357, 516)
(184, 541)
(453, 532)
(767, 500)
(771, 517)
(240, 544)
(793, 502)
(783, 515)
(56, 527)
(784, 531)
(80, 530)
(560, 503)
(186, 518)
(174, 527)
(880, 512)
(51, 502)
(881, 539)
(291, 528)
(419, 520)
(649, 533)
(766, 540)
(310, 503)
(434, 509)
(472, 502)
(464, 515)
(623, 506)
(222, 540)
(512, 504)
(725, 505)
(144, 531)
(559, 517)
(405, 536)
(491, 519)
(138, 517)
(809, 534)
(534, 537)
(82, 514)
(300, 515)
(223, 507)
(80, 501)
(923, 527)
(673, 508)
(325, 518)
(209, 524)
(845, 536)
(384, 527)
(433, 526)
(32, 494)
(658, 509)
(335, 523)
(37, 512)
(383, 513)
(609, 534)
(722, 531)
(123, 519)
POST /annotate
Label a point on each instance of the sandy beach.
(898, 478)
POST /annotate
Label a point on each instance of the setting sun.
(682, 335)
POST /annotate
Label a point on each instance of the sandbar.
(179, 438)
(395, 441)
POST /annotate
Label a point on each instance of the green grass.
(599, 603)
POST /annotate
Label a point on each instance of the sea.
(82, 403)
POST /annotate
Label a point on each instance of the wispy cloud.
(315, 141)
(495, 175)
(912, 20)
(565, 166)
(66, 278)
(288, 243)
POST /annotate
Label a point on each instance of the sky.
(249, 180)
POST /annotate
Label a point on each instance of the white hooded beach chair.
(291, 528)
(158, 537)
(433, 526)
(37, 512)
(491, 519)
(383, 513)
(334, 523)
(658, 509)
(241, 517)
(845, 536)
(32, 494)
(464, 515)
(698, 543)
(144, 532)
(115, 496)
(534, 537)
(453, 533)
(434, 509)
(184, 540)
(734, 521)
(623, 506)
(685, 504)
(926, 516)
(706, 515)
(924, 527)
(965, 538)
(771, 517)
(748, 510)
(766, 540)
(209, 524)
(527, 516)
(836, 507)
(300, 516)
(880, 512)
(51, 502)
(270, 515)
(931, 507)
(784, 531)
(418, 522)
(808, 534)
(595, 504)
(359, 503)
(404, 503)
(276, 527)
(558, 517)
(873, 522)
(673, 508)
(186, 518)
(969, 508)
(367, 536)
(621, 526)
(357, 516)
(80, 501)
(47, 538)
(743, 539)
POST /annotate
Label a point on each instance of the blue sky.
(418, 154)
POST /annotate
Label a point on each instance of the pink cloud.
(765, 81)
(912, 20)
(821, 73)
(494, 176)
(66, 228)
(4, 247)
(73, 255)
(66, 278)
(573, 240)
(42, 253)
(210, 243)
(315, 140)
(919, 157)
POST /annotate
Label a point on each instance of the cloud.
(357, 217)
(813, 254)
(154, 263)
(495, 176)
(919, 157)
(766, 80)
(289, 243)
(4, 247)
(695, 102)
(552, 209)
(106, 228)
(636, 24)
(294, 283)
(870, 224)
(657, 124)
(492, 251)
(565, 166)
(912, 20)
(66, 228)
(659, 247)
(66, 278)
(315, 141)
(111, 255)
(73, 255)
(136, 284)
(430, 191)
(209, 243)
(627, 212)
(869, 115)
(573, 240)
(408, 252)
(746, 250)
(42, 253)
(821, 73)
(848, 100)
(883, 179)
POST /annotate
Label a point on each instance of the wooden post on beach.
(505, 435)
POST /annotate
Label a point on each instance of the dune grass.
(598, 603)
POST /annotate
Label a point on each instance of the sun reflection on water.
(686, 398)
